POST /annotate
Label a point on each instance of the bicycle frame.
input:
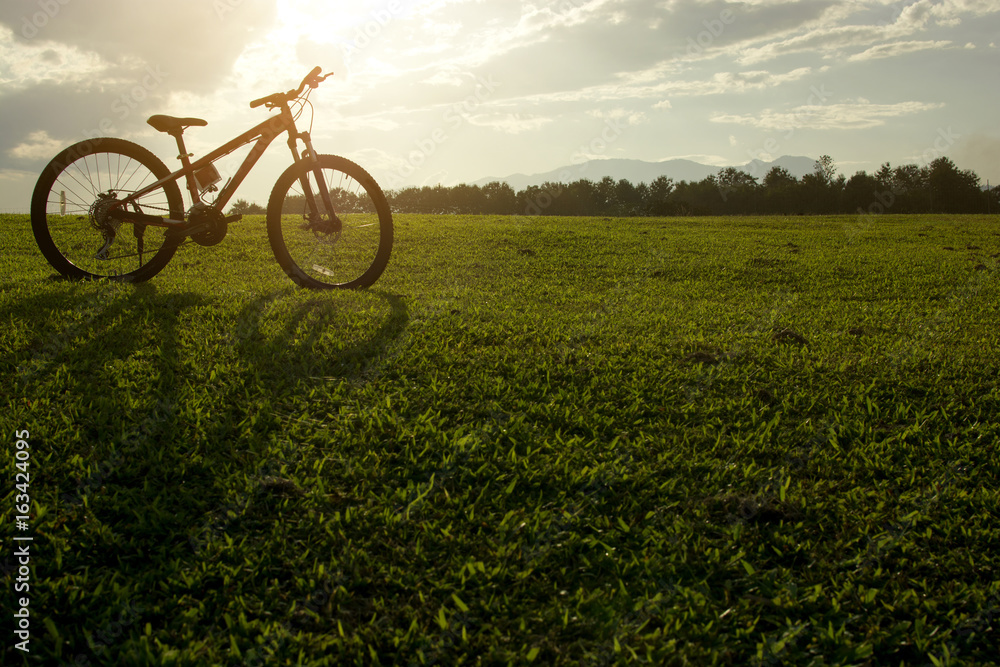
(263, 134)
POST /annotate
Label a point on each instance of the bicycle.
(109, 208)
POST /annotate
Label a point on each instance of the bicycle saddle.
(172, 125)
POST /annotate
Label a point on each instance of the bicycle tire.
(349, 250)
(95, 173)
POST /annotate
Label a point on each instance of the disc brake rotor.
(326, 229)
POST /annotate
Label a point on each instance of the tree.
(939, 186)
(243, 207)
(825, 169)
(700, 198)
(993, 199)
(464, 198)
(604, 197)
(951, 190)
(579, 197)
(884, 177)
(823, 186)
(861, 193)
(780, 191)
(737, 189)
(626, 198)
(909, 184)
(658, 199)
(499, 198)
(779, 177)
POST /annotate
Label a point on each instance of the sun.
(321, 22)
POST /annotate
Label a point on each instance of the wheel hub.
(327, 229)
(99, 212)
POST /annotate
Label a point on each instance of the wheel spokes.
(79, 205)
(338, 247)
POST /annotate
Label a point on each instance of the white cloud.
(711, 160)
(718, 84)
(509, 123)
(831, 35)
(893, 49)
(30, 63)
(536, 24)
(16, 175)
(380, 122)
(980, 152)
(446, 77)
(847, 116)
(619, 114)
(127, 34)
(38, 146)
(821, 40)
(949, 13)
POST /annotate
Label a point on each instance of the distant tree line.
(938, 187)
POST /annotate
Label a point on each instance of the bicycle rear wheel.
(70, 211)
(347, 247)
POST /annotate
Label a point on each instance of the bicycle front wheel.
(346, 247)
(71, 211)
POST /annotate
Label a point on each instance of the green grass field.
(567, 441)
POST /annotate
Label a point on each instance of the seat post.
(183, 155)
(185, 158)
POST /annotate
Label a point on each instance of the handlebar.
(313, 79)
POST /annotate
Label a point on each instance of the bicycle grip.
(311, 79)
(276, 98)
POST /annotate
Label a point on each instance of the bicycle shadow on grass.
(107, 377)
(97, 367)
(85, 325)
(291, 335)
(94, 370)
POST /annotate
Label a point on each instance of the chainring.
(215, 222)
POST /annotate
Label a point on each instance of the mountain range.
(641, 171)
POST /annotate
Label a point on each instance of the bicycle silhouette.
(109, 208)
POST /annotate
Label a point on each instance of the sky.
(451, 91)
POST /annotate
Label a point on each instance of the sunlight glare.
(314, 20)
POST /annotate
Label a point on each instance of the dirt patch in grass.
(701, 357)
(789, 336)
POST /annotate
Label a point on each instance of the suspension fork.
(310, 158)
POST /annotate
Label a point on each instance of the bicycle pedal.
(234, 218)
